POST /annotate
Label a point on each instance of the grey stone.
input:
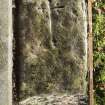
(53, 38)
(5, 52)
(58, 99)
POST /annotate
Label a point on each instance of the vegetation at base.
(99, 51)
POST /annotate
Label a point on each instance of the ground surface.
(55, 99)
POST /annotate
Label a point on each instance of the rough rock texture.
(55, 99)
(52, 40)
(5, 52)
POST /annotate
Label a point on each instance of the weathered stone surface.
(56, 99)
(5, 52)
(52, 35)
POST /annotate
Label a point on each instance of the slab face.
(5, 52)
(52, 37)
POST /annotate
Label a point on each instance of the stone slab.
(5, 52)
(53, 47)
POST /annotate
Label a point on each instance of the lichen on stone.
(53, 47)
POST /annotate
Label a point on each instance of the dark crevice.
(16, 62)
(58, 7)
(50, 1)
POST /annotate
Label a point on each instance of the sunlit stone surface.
(55, 99)
(5, 52)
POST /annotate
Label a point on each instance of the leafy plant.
(99, 52)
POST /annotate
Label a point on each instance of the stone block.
(53, 47)
(5, 52)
